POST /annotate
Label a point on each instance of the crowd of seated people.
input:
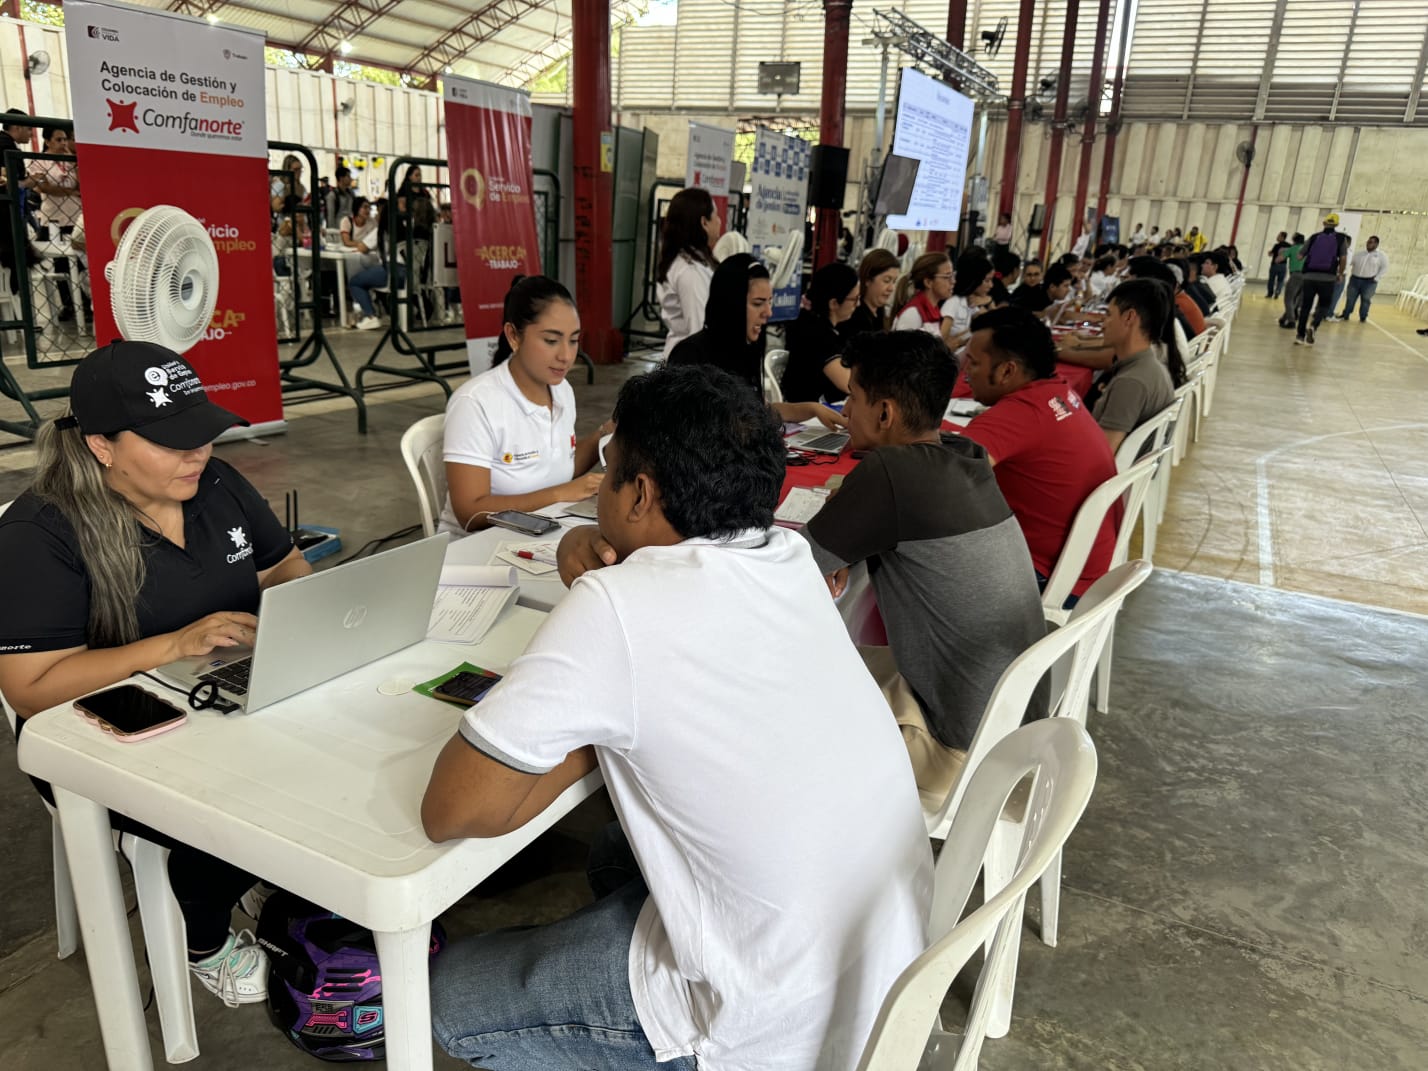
(961, 530)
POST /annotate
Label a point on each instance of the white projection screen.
(934, 126)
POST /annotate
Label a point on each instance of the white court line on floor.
(1417, 353)
(1261, 480)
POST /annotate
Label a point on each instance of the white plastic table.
(54, 249)
(537, 592)
(318, 794)
(343, 261)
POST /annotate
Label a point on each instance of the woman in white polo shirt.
(510, 432)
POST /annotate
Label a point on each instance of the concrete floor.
(1245, 890)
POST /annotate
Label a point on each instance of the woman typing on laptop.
(510, 432)
(134, 547)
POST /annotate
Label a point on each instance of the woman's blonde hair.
(70, 477)
(923, 269)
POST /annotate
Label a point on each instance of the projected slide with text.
(934, 126)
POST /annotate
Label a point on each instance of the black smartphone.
(130, 713)
(466, 688)
(525, 523)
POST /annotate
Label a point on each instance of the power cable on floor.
(372, 545)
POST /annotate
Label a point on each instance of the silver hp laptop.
(819, 442)
(321, 626)
(586, 509)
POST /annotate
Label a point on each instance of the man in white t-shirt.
(777, 876)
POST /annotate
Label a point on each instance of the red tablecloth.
(1078, 377)
(816, 473)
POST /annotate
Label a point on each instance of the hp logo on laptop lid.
(355, 617)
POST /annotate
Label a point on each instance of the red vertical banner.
(488, 150)
(171, 110)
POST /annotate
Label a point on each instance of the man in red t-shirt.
(1047, 451)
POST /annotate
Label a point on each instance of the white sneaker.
(368, 323)
(237, 973)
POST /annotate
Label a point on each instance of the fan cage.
(164, 279)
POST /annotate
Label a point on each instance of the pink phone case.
(128, 738)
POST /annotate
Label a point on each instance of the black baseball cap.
(149, 390)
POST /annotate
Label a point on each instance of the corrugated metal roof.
(1345, 61)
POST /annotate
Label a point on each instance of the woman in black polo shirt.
(132, 548)
(814, 370)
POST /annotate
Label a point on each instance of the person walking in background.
(1365, 271)
(1294, 279)
(1277, 267)
(1325, 257)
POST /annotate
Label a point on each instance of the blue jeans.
(1338, 293)
(1362, 289)
(1071, 600)
(556, 997)
(1276, 280)
(361, 283)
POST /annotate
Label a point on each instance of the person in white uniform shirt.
(971, 294)
(686, 264)
(1365, 271)
(510, 432)
(770, 876)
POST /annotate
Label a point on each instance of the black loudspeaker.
(828, 176)
(1038, 220)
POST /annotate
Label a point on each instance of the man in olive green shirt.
(1293, 286)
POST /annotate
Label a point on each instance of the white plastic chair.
(1132, 487)
(1071, 654)
(1150, 437)
(1060, 760)
(1187, 396)
(421, 452)
(165, 936)
(775, 361)
(1413, 295)
(730, 243)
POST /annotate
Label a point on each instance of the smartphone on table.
(525, 523)
(129, 713)
(466, 688)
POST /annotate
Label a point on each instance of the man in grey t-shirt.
(946, 556)
(1139, 327)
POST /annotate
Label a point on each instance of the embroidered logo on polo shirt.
(240, 540)
(510, 458)
(1059, 408)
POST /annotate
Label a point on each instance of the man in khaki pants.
(946, 557)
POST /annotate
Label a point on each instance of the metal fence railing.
(45, 309)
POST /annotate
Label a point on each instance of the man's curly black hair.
(710, 444)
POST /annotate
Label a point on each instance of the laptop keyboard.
(232, 677)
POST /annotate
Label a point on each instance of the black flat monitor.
(895, 185)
